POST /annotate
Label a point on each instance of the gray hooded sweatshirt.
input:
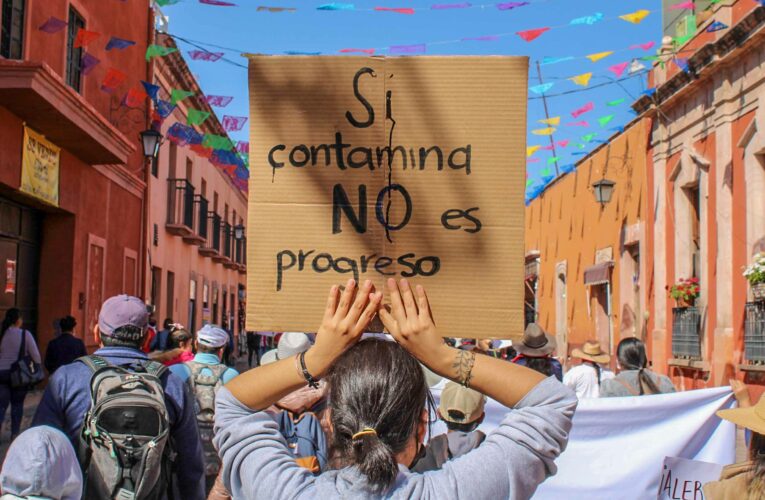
(41, 463)
(513, 460)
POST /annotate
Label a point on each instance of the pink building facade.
(196, 271)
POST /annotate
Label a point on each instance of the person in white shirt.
(586, 377)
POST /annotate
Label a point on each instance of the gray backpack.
(124, 450)
(203, 387)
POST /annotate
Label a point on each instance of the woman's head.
(631, 354)
(542, 365)
(376, 385)
(12, 318)
(179, 337)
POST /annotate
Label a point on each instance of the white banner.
(618, 445)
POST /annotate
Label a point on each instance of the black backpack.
(124, 449)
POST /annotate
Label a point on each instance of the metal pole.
(547, 116)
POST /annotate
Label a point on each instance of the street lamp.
(239, 232)
(604, 188)
(150, 140)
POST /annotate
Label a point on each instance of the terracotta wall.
(99, 204)
(568, 228)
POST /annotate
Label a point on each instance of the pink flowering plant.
(755, 272)
(686, 290)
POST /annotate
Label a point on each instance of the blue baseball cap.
(120, 311)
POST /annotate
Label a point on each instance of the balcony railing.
(227, 238)
(211, 245)
(686, 332)
(754, 332)
(180, 207)
(200, 216)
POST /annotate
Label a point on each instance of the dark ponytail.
(598, 369)
(376, 395)
(631, 354)
(542, 365)
(12, 316)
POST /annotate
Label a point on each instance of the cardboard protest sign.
(683, 479)
(373, 167)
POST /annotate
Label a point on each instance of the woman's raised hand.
(345, 319)
(410, 321)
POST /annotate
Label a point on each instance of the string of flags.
(222, 152)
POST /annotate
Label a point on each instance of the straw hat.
(591, 351)
(535, 342)
(753, 418)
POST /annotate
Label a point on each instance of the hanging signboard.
(40, 167)
(374, 167)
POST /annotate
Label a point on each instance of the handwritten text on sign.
(373, 168)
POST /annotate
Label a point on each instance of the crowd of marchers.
(334, 414)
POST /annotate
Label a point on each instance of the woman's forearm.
(502, 381)
(263, 386)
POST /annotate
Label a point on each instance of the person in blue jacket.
(121, 331)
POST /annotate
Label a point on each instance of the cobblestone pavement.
(30, 405)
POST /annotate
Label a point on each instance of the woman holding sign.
(378, 402)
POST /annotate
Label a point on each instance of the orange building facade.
(706, 194)
(196, 271)
(583, 258)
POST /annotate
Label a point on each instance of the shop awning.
(598, 274)
(36, 94)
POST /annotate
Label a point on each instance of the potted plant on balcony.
(685, 292)
(755, 274)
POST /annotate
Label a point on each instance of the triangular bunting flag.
(158, 51)
(589, 137)
(600, 55)
(84, 37)
(151, 90)
(583, 79)
(604, 120)
(563, 143)
(197, 117)
(635, 17)
(615, 102)
(644, 46)
(618, 69)
(578, 124)
(552, 160)
(530, 35)
(580, 111)
(118, 43)
(554, 121)
(555, 60)
(530, 150)
(590, 20)
(177, 95)
(682, 5)
(542, 88)
(544, 131)
(716, 26)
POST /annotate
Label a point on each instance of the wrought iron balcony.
(199, 235)
(180, 207)
(754, 332)
(686, 332)
(211, 246)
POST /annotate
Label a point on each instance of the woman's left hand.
(346, 317)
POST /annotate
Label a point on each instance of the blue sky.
(243, 29)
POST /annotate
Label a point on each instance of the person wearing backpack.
(131, 420)
(16, 344)
(205, 374)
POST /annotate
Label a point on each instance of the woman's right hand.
(741, 392)
(410, 322)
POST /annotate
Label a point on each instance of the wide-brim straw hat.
(752, 418)
(535, 342)
(591, 351)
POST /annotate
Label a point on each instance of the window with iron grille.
(73, 54)
(686, 330)
(12, 37)
(754, 332)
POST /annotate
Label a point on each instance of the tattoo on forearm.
(463, 367)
